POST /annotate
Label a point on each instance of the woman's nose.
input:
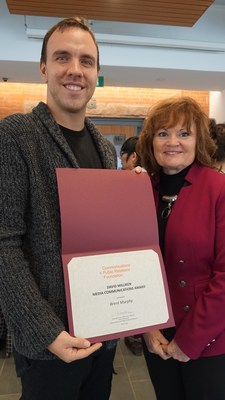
(172, 139)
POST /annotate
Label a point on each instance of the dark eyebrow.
(88, 56)
(66, 53)
(60, 52)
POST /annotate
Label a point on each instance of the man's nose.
(75, 67)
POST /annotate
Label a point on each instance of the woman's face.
(175, 148)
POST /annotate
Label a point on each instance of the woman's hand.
(138, 170)
(174, 351)
(157, 344)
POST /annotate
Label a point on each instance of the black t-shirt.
(83, 147)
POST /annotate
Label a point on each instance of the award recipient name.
(116, 303)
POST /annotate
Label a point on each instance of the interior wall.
(107, 101)
(217, 106)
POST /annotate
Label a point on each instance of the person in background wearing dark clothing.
(217, 132)
(130, 160)
(187, 362)
(51, 363)
(128, 154)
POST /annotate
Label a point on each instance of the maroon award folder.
(114, 274)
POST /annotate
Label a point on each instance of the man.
(130, 160)
(51, 363)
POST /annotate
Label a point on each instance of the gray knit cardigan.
(31, 278)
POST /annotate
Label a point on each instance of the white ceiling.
(200, 66)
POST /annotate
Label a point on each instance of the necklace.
(167, 210)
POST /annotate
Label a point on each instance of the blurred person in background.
(217, 132)
(128, 154)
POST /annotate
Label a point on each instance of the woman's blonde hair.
(166, 114)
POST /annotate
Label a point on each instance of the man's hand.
(69, 348)
(157, 343)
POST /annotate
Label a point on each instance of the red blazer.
(195, 262)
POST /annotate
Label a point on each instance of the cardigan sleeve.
(27, 313)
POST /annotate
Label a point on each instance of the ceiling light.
(126, 40)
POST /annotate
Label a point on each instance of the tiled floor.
(130, 383)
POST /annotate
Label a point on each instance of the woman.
(187, 362)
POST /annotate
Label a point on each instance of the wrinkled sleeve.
(26, 312)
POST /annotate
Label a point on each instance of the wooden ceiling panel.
(160, 12)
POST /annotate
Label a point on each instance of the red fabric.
(195, 263)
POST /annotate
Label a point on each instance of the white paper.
(116, 292)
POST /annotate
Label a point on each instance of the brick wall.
(106, 102)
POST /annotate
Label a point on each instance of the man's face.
(70, 71)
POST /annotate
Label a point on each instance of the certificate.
(114, 275)
(122, 291)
